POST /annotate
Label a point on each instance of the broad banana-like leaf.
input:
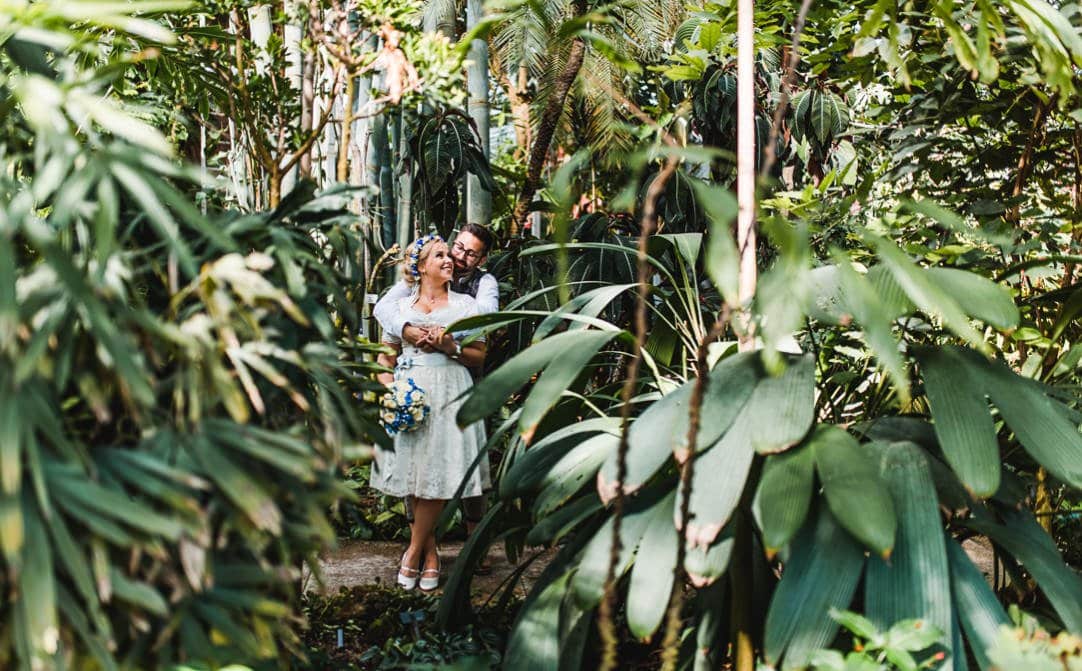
(963, 421)
(932, 299)
(705, 564)
(821, 574)
(491, 392)
(573, 471)
(853, 488)
(552, 527)
(984, 299)
(717, 483)
(976, 605)
(1035, 417)
(916, 583)
(784, 496)
(589, 580)
(529, 470)
(652, 575)
(661, 430)
(1022, 537)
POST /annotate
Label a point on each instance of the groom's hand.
(417, 336)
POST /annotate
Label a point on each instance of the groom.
(468, 253)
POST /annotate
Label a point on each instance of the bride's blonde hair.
(415, 256)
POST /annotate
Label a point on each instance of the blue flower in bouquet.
(404, 406)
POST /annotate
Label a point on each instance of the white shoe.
(407, 576)
(430, 577)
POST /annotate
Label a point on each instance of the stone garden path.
(371, 562)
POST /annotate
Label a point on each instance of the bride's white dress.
(431, 462)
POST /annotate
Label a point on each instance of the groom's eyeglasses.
(470, 255)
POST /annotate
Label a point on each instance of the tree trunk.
(294, 69)
(308, 95)
(381, 172)
(478, 199)
(745, 176)
(546, 128)
(342, 173)
(405, 188)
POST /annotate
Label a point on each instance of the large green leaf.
(784, 496)
(984, 299)
(705, 564)
(782, 408)
(653, 573)
(875, 318)
(589, 581)
(558, 375)
(490, 393)
(821, 574)
(1036, 419)
(573, 471)
(531, 468)
(931, 298)
(719, 479)
(661, 430)
(963, 422)
(1022, 537)
(976, 604)
(722, 258)
(853, 488)
(915, 584)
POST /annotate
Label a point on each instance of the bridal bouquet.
(404, 406)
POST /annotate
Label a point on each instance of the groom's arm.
(488, 294)
(386, 311)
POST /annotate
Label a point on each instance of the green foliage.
(443, 148)
(876, 650)
(1032, 648)
(177, 388)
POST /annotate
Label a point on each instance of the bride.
(431, 462)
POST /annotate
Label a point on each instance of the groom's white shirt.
(390, 317)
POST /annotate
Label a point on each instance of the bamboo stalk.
(478, 199)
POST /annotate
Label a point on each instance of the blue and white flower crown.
(414, 254)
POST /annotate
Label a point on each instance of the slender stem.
(740, 576)
(670, 644)
(606, 621)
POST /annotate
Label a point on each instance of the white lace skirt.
(431, 462)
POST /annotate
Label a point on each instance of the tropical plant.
(177, 389)
(854, 449)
